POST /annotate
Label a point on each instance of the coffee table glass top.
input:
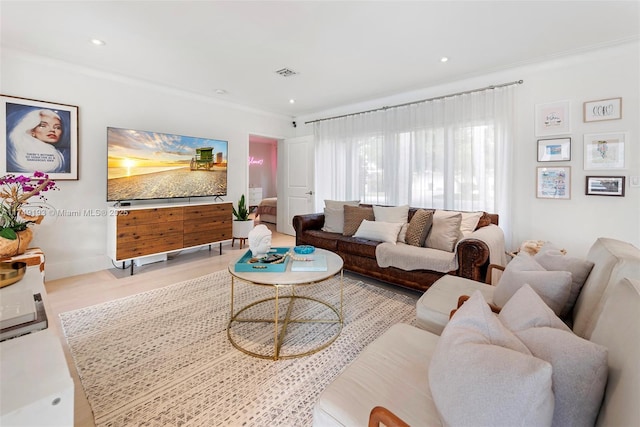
(288, 277)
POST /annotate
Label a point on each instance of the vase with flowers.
(15, 191)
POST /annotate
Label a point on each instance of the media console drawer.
(138, 232)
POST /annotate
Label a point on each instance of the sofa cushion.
(322, 239)
(435, 305)
(391, 213)
(552, 286)
(525, 309)
(379, 231)
(555, 260)
(392, 372)
(445, 231)
(482, 374)
(357, 246)
(614, 260)
(618, 330)
(419, 227)
(579, 373)
(353, 216)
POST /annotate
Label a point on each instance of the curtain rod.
(516, 82)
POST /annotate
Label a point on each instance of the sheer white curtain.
(452, 153)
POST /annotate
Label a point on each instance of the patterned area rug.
(163, 357)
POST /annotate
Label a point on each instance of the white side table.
(36, 388)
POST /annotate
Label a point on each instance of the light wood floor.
(94, 288)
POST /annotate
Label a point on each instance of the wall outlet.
(634, 181)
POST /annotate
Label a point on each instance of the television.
(146, 165)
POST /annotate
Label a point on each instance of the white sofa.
(393, 371)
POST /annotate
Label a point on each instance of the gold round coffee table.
(281, 282)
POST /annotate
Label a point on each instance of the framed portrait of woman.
(39, 136)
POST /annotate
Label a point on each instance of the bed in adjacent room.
(267, 210)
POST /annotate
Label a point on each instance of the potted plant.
(242, 225)
(15, 191)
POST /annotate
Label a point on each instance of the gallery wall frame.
(604, 150)
(602, 109)
(39, 136)
(554, 150)
(605, 186)
(553, 118)
(553, 182)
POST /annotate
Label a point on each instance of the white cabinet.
(255, 196)
(35, 384)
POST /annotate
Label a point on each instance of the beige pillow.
(552, 286)
(353, 216)
(333, 220)
(419, 227)
(482, 375)
(470, 222)
(445, 231)
(391, 213)
(525, 309)
(403, 233)
(338, 204)
(379, 231)
(554, 260)
(579, 373)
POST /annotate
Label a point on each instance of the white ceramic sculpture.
(259, 240)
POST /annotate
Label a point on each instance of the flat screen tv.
(150, 165)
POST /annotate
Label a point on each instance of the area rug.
(163, 358)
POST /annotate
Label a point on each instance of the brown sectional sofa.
(359, 254)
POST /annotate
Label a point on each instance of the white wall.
(77, 244)
(573, 224)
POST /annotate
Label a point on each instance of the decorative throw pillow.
(334, 215)
(379, 231)
(525, 309)
(333, 220)
(391, 213)
(484, 220)
(445, 231)
(469, 222)
(552, 286)
(579, 373)
(482, 374)
(554, 260)
(419, 227)
(353, 216)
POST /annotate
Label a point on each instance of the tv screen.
(150, 165)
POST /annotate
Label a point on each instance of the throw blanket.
(408, 257)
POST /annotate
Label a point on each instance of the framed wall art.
(553, 183)
(604, 150)
(552, 118)
(39, 136)
(554, 150)
(605, 186)
(603, 109)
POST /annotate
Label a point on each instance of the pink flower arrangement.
(15, 191)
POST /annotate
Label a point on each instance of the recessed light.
(444, 59)
(220, 91)
(98, 42)
(292, 101)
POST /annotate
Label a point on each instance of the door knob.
(309, 193)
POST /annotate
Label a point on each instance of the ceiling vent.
(286, 72)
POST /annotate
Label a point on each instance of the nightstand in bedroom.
(255, 197)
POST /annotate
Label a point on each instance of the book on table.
(39, 323)
(16, 308)
(312, 262)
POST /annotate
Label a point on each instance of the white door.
(295, 183)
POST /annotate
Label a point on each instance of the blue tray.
(243, 265)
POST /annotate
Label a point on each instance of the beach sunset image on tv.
(150, 165)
